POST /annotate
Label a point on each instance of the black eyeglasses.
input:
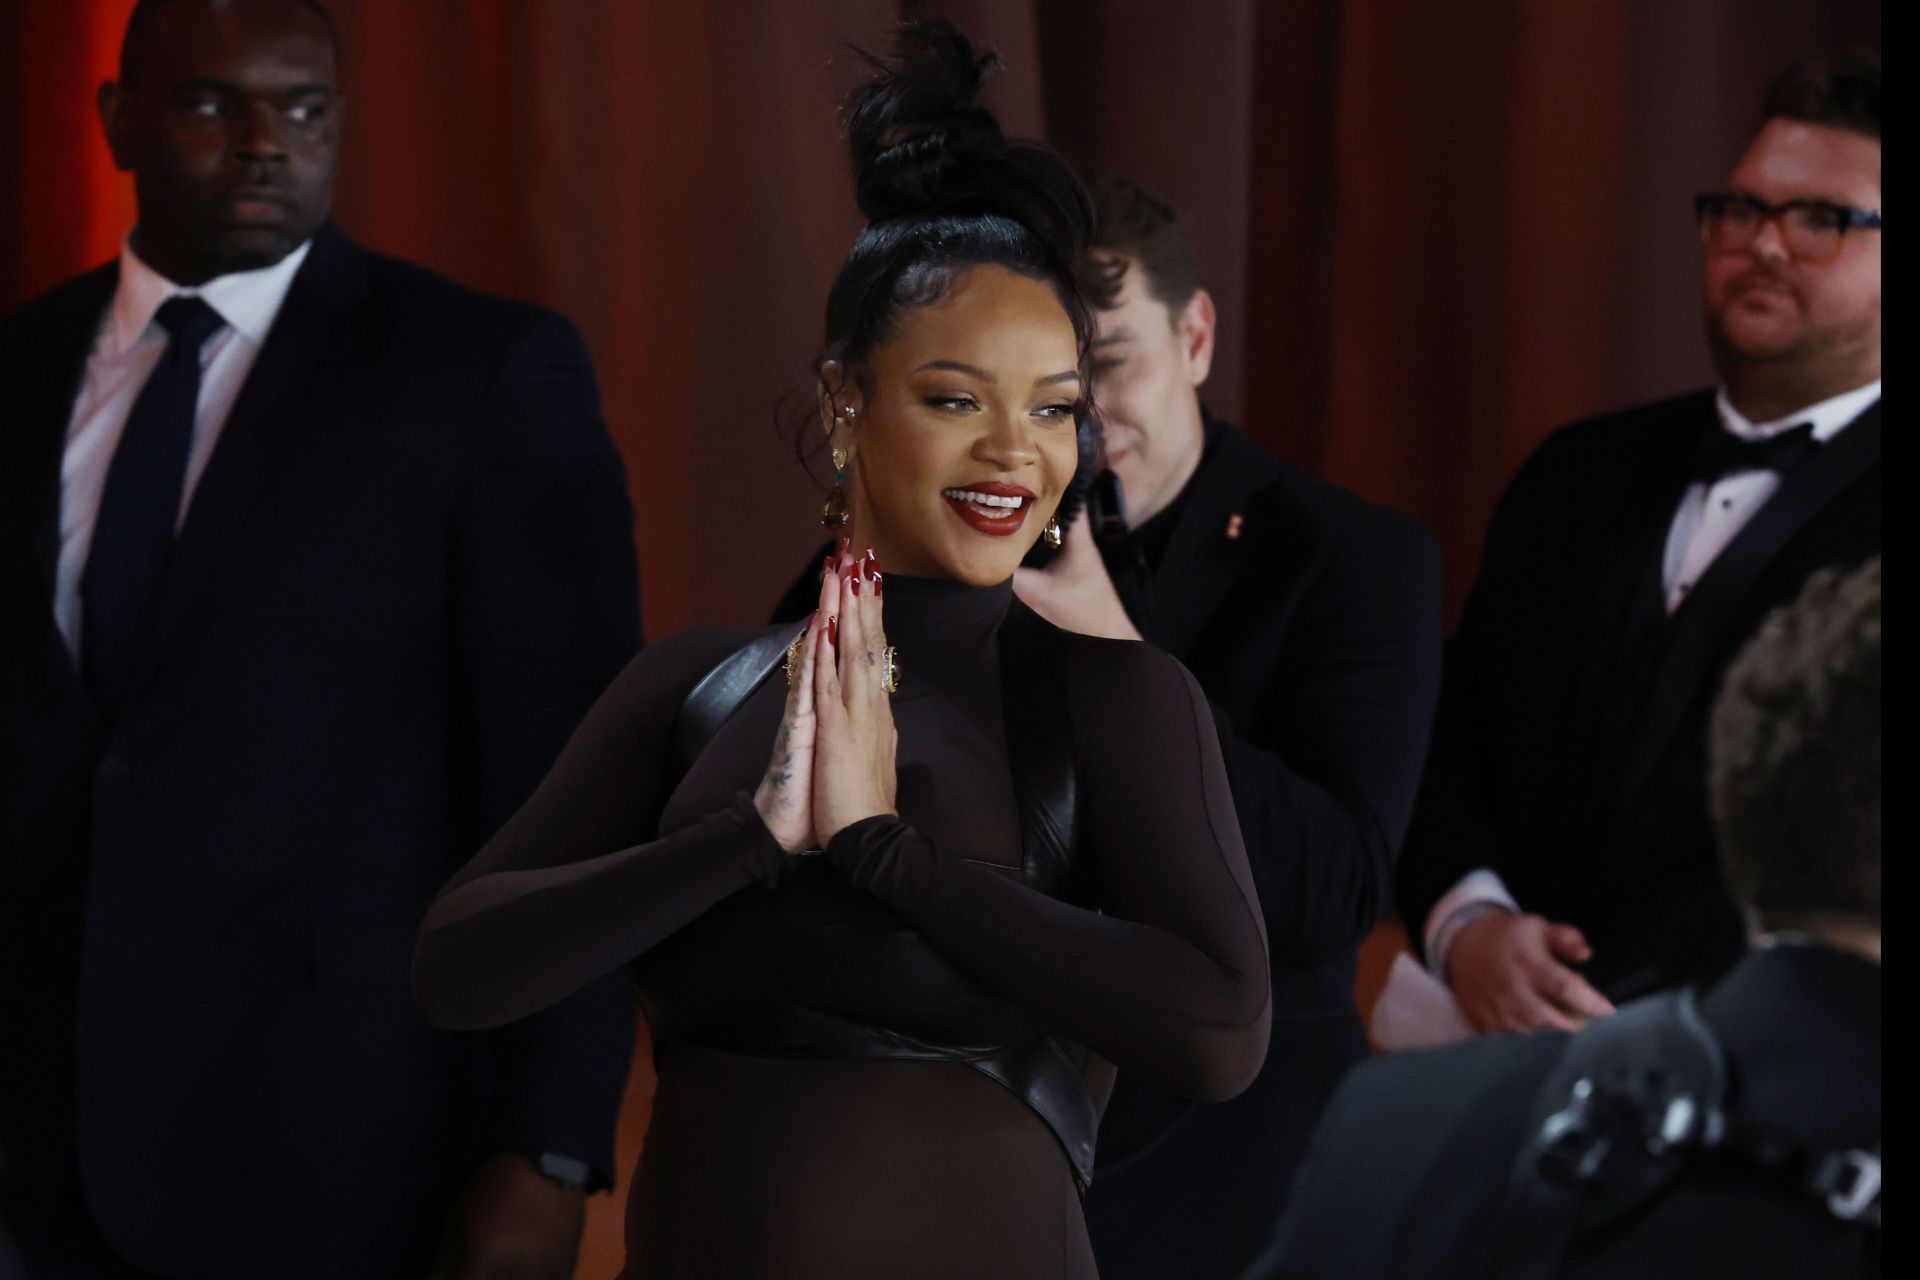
(1811, 229)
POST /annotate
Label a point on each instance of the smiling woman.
(956, 364)
(965, 427)
(896, 918)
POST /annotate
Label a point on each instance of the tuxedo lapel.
(1629, 603)
(1699, 628)
(311, 332)
(1203, 557)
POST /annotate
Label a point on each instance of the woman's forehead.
(992, 319)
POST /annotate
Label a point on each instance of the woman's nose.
(1006, 443)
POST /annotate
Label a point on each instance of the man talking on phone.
(1312, 621)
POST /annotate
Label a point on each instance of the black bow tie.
(1723, 454)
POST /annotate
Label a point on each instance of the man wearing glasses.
(1561, 858)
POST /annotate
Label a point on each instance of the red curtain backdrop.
(1435, 230)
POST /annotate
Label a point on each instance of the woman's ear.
(839, 402)
(831, 380)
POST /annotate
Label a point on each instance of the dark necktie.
(140, 505)
(1723, 454)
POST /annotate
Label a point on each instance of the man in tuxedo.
(1312, 621)
(1426, 1163)
(309, 562)
(1561, 857)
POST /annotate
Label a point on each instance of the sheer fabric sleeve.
(579, 881)
(1171, 980)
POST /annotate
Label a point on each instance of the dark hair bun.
(922, 147)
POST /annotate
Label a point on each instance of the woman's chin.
(984, 570)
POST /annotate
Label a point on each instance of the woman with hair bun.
(898, 886)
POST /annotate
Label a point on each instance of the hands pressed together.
(833, 758)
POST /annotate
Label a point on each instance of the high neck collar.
(938, 623)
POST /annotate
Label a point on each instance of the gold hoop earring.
(1055, 537)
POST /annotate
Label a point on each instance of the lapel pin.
(1234, 522)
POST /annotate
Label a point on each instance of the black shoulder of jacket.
(77, 301)
(1288, 505)
(1623, 433)
(420, 303)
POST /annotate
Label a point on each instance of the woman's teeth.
(988, 504)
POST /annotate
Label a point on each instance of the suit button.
(114, 768)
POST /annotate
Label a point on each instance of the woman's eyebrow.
(955, 366)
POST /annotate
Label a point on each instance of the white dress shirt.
(1710, 516)
(125, 352)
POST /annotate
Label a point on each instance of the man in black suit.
(1311, 619)
(1561, 858)
(309, 562)
(1426, 1163)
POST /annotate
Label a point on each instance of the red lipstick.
(990, 506)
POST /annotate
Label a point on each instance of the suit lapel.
(1203, 557)
(312, 331)
(1699, 628)
(46, 410)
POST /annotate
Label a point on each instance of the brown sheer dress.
(773, 1160)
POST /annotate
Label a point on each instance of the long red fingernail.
(833, 630)
(853, 583)
(877, 588)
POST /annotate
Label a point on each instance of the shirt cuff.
(1477, 893)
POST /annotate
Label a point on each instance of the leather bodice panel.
(813, 967)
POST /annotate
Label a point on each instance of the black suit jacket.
(1312, 621)
(1569, 753)
(1410, 1170)
(405, 574)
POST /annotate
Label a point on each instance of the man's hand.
(1074, 593)
(512, 1223)
(1512, 973)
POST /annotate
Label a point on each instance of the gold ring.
(793, 658)
(890, 671)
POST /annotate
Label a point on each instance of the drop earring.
(1052, 533)
(834, 514)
